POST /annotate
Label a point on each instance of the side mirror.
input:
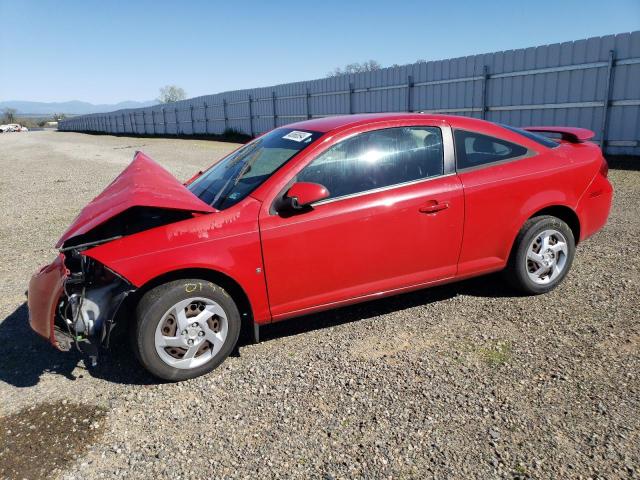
(303, 194)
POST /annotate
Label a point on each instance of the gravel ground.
(458, 381)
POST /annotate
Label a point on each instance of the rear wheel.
(185, 329)
(542, 255)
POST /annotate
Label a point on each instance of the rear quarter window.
(475, 149)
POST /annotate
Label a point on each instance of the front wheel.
(185, 329)
(542, 255)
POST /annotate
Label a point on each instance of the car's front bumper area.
(76, 299)
(46, 289)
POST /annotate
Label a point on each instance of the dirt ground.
(460, 381)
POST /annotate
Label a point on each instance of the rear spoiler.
(568, 134)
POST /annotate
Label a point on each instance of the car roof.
(327, 124)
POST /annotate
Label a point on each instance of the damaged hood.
(144, 183)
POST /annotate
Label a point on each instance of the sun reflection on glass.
(371, 156)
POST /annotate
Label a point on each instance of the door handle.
(434, 207)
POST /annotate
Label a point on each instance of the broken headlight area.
(87, 310)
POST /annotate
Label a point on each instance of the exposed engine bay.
(93, 294)
(86, 312)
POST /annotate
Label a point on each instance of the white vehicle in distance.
(13, 127)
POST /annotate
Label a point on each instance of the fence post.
(131, 123)
(175, 114)
(350, 97)
(193, 128)
(153, 121)
(250, 117)
(485, 79)
(308, 99)
(206, 119)
(409, 92)
(164, 120)
(124, 125)
(607, 100)
(273, 108)
(224, 114)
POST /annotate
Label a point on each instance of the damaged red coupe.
(312, 216)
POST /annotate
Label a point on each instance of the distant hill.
(73, 107)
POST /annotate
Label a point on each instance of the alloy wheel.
(547, 256)
(191, 333)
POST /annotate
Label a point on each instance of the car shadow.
(27, 357)
(486, 286)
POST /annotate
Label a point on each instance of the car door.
(502, 179)
(393, 220)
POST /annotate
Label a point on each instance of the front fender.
(227, 242)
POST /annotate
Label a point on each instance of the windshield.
(236, 176)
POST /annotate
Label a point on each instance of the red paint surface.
(45, 289)
(142, 183)
(570, 134)
(370, 245)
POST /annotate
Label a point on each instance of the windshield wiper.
(226, 190)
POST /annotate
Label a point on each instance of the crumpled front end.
(76, 299)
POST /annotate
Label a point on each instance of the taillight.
(604, 168)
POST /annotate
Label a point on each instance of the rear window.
(475, 149)
(536, 137)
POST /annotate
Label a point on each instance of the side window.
(474, 149)
(377, 159)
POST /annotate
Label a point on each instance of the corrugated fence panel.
(592, 83)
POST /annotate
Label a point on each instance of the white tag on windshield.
(297, 136)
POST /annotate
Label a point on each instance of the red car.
(312, 216)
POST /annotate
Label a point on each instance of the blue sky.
(109, 51)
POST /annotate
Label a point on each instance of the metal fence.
(592, 83)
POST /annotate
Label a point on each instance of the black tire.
(156, 302)
(516, 272)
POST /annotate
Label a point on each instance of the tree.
(368, 66)
(58, 116)
(9, 115)
(171, 93)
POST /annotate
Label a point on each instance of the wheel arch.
(232, 286)
(564, 213)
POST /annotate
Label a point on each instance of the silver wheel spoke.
(534, 257)
(208, 312)
(172, 342)
(190, 322)
(540, 271)
(181, 314)
(191, 352)
(216, 339)
(559, 247)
